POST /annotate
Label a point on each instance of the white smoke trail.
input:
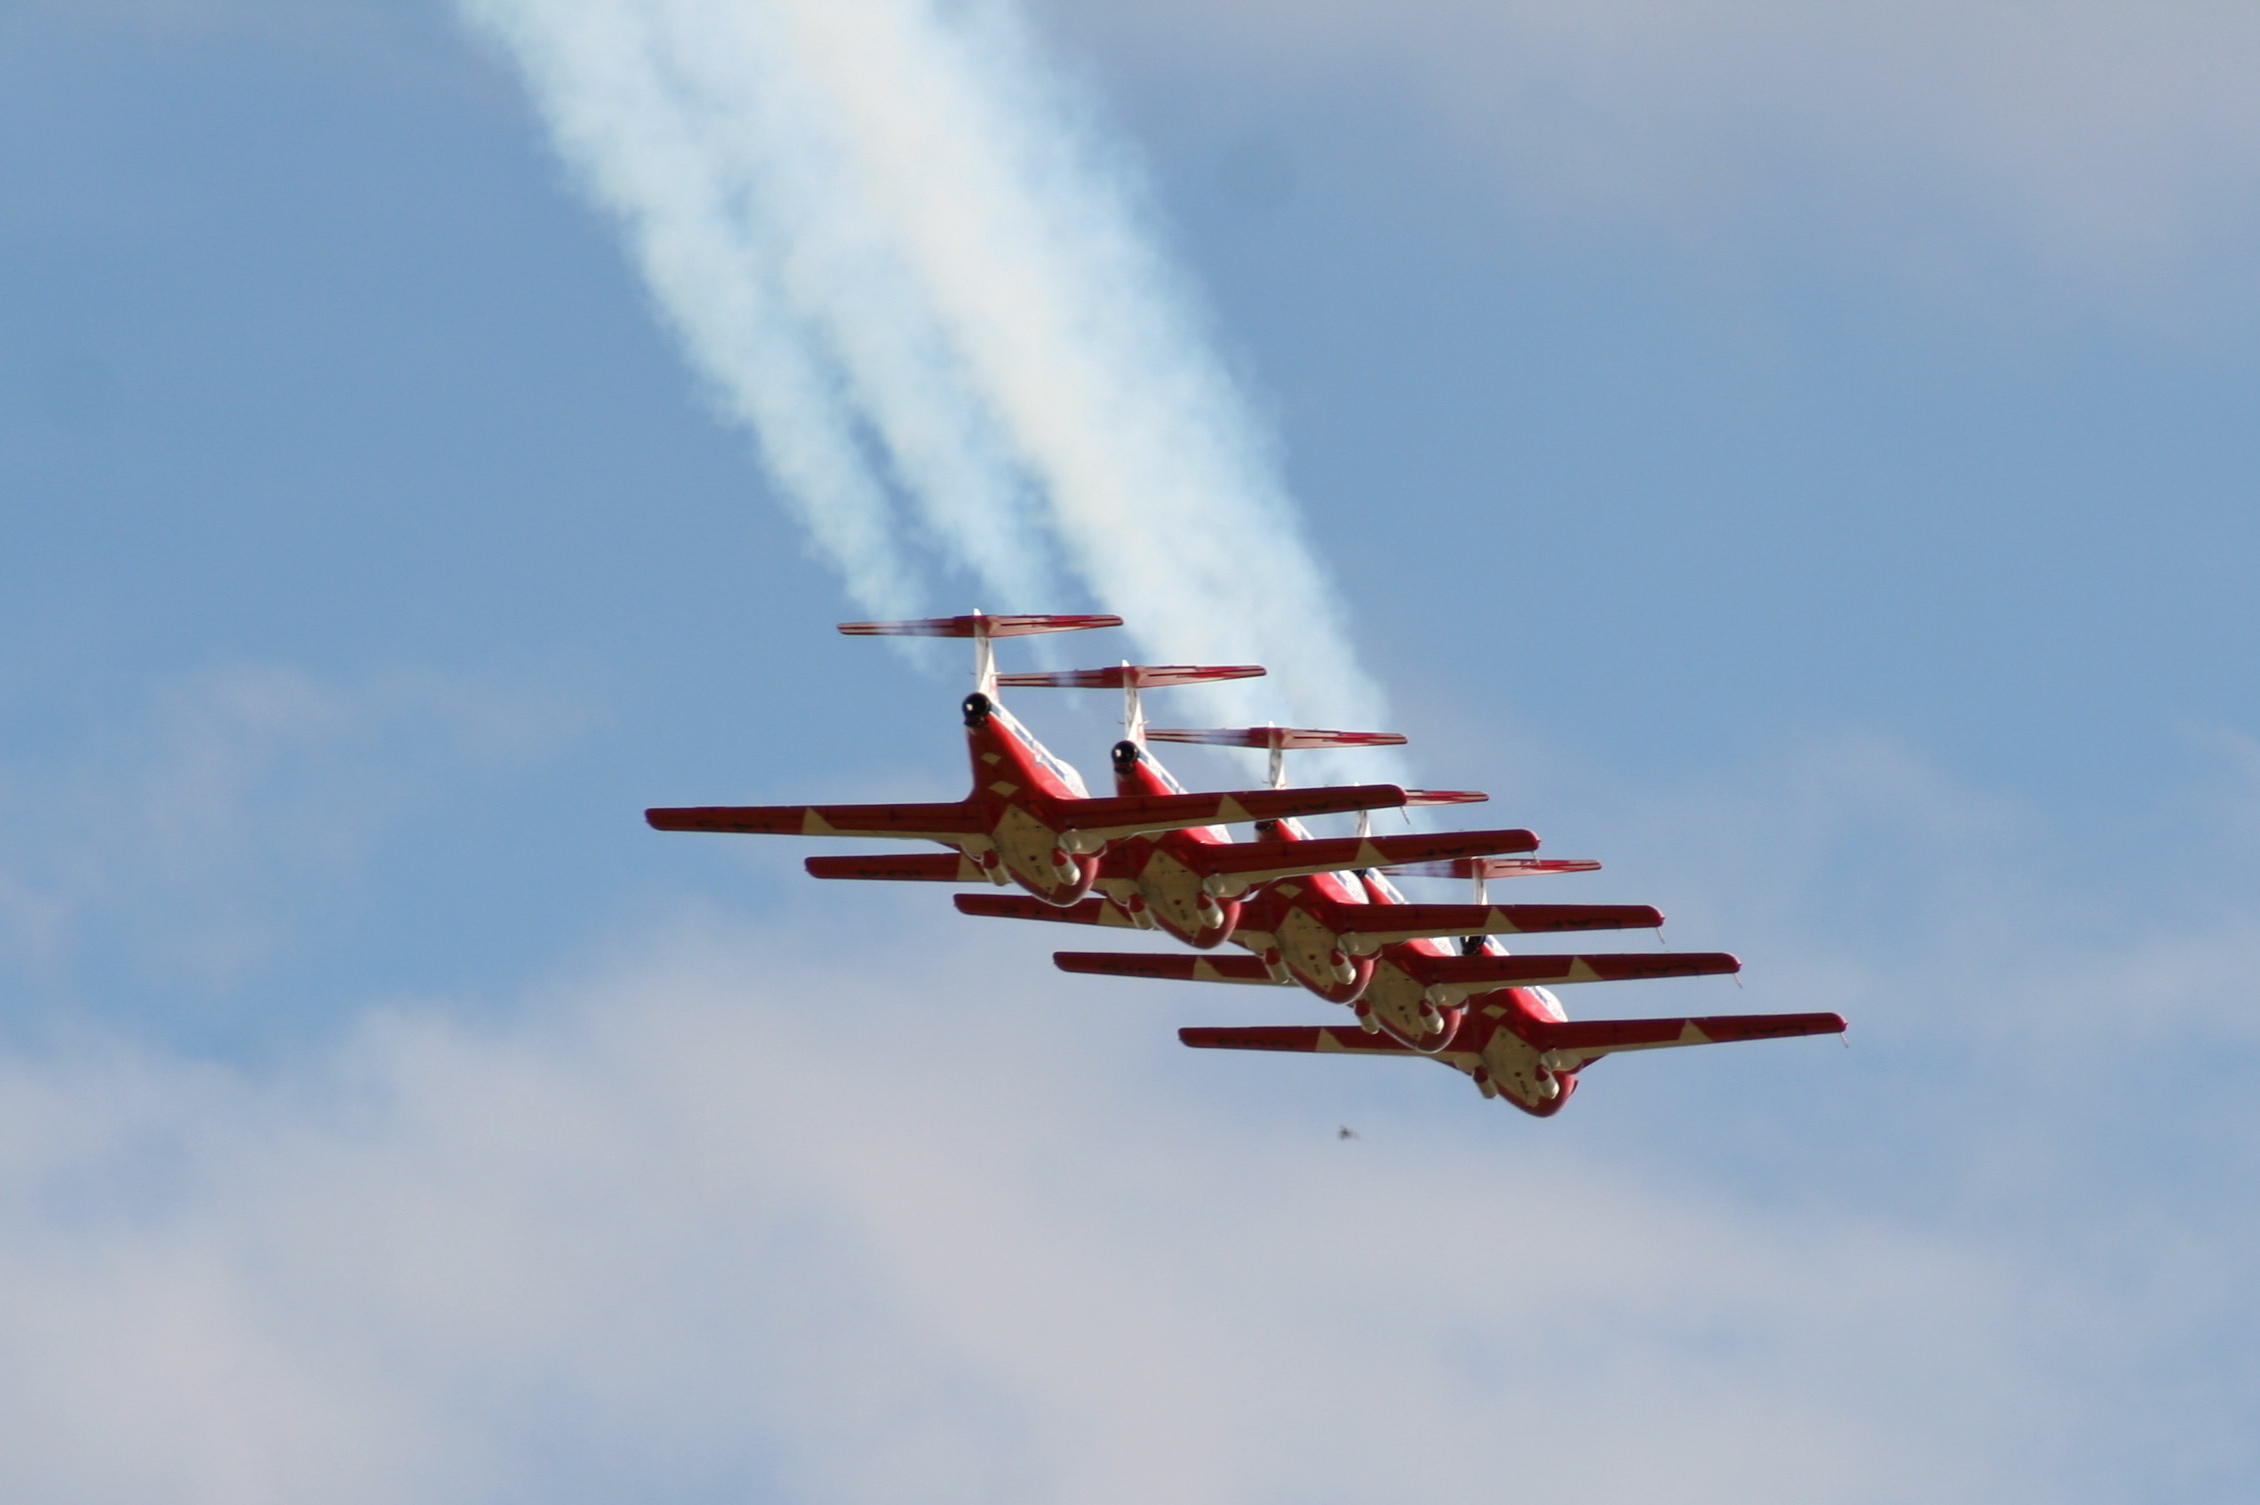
(906, 256)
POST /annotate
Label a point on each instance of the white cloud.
(721, 1213)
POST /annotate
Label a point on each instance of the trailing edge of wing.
(943, 823)
(1164, 966)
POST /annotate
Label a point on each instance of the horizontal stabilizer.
(1133, 814)
(903, 867)
(1573, 1044)
(1405, 922)
(1277, 738)
(1261, 861)
(1165, 966)
(1555, 971)
(1091, 911)
(943, 823)
(1492, 867)
(1131, 676)
(976, 626)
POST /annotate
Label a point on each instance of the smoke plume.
(903, 250)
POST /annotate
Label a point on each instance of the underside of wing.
(1137, 814)
(1262, 861)
(1554, 971)
(1573, 1044)
(1165, 966)
(1323, 1040)
(944, 823)
(901, 867)
(1092, 911)
(1405, 922)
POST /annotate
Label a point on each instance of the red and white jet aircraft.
(1190, 882)
(1515, 1045)
(1028, 818)
(1316, 921)
(1352, 938)
(1318, 913)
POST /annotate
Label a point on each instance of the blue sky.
(1804, 461)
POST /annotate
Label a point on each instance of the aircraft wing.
(1317, 1039)
(1262, 861)
(1173, 967)
(943, 823)
(1569, 1046)
(1141, 814)
(1404, 922)
(901, 867)
(1096, 910)
(1554, 971)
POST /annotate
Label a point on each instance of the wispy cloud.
(190, 838)
(2096, 146)
(717, 1217)
(906, 252)
(696, 1224)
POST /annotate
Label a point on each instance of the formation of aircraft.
(1281, 908)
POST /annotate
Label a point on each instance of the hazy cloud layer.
(2105, 142)
(702, 1223)
(192, 837)
(714, 1218)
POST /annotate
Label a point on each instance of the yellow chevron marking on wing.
(813, 824)
(1229, 811)
(1579, 971)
